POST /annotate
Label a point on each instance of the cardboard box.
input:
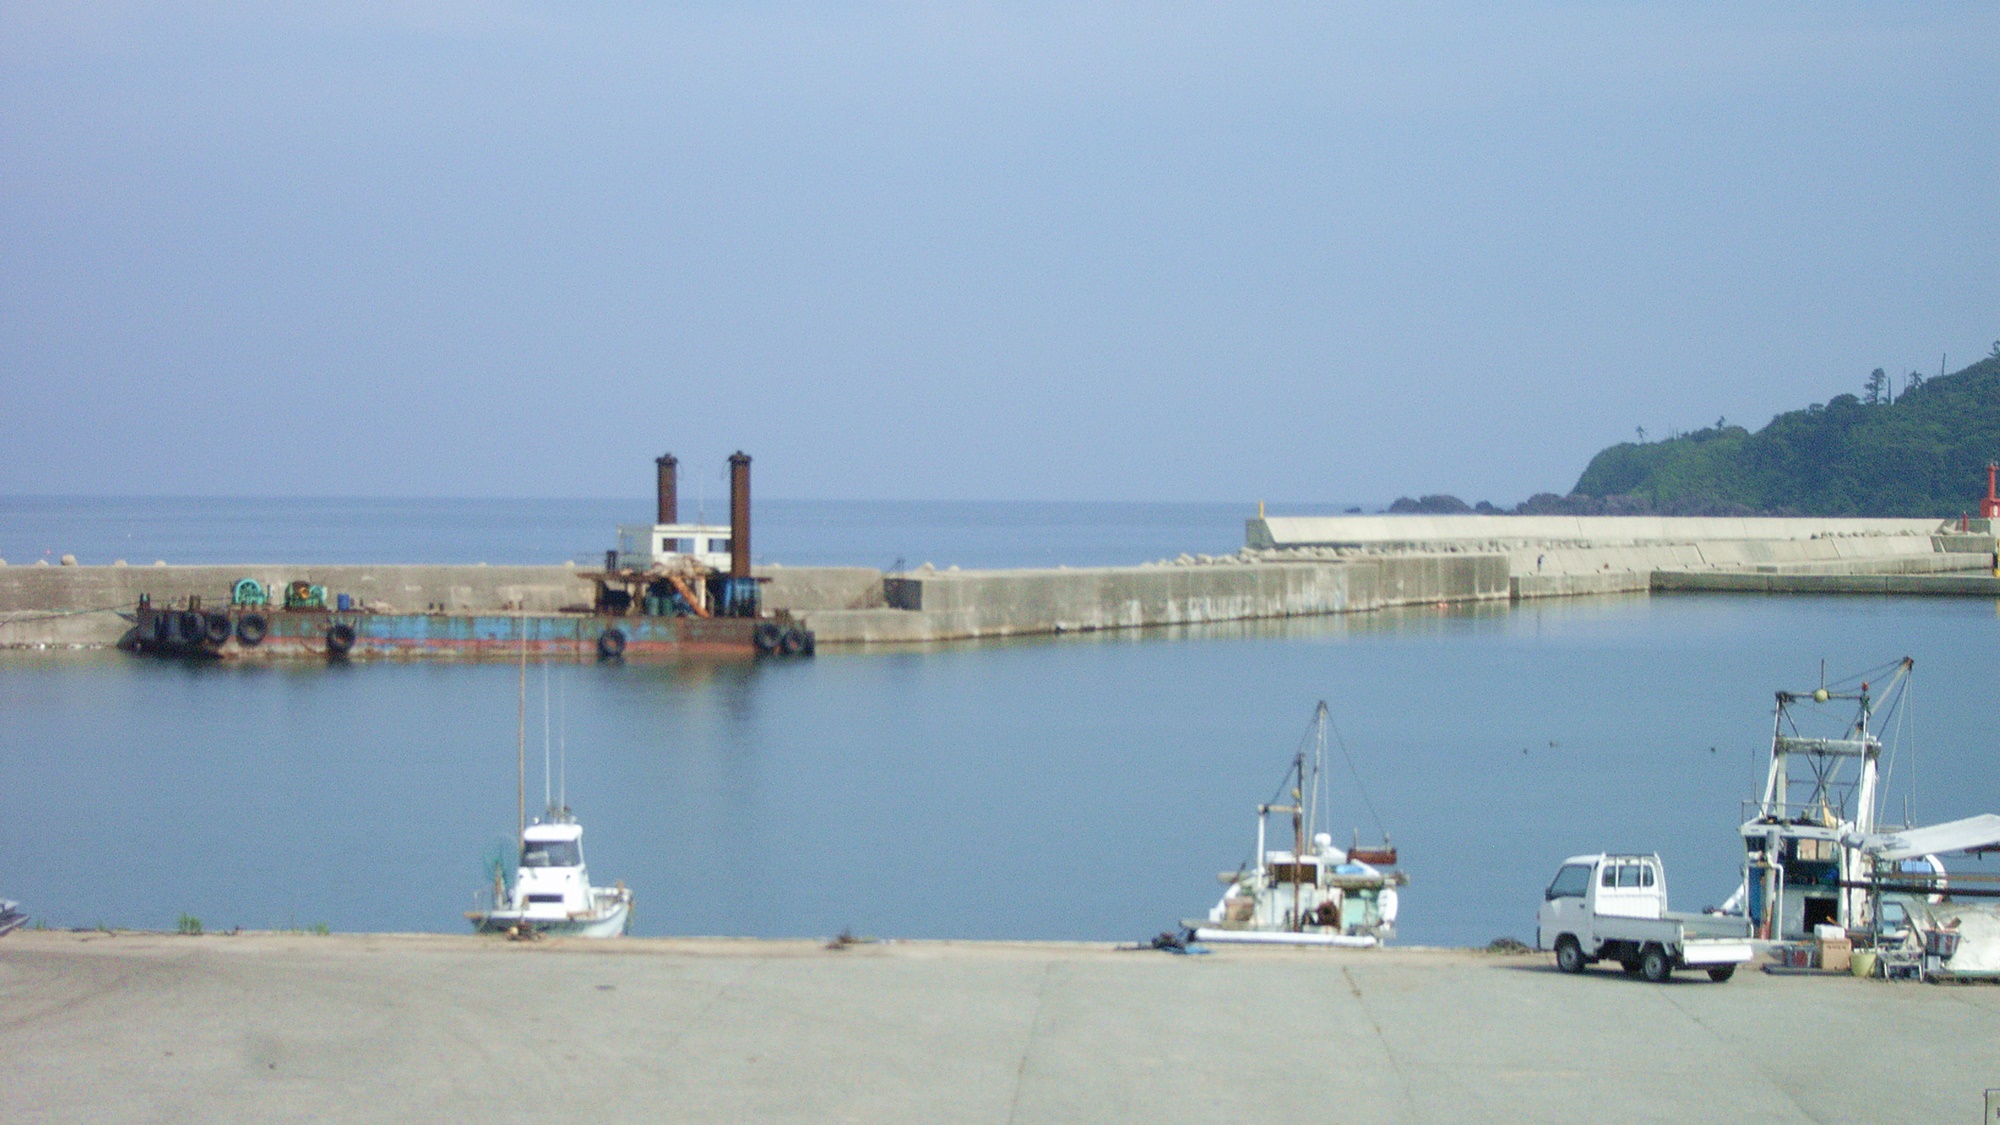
(1836, 954)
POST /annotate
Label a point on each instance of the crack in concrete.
(1409, 1106)
(1028, 1047)
(1736, 1049)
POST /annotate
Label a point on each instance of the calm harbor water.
(1078, 787)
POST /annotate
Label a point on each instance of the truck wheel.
(1721, 973)
(1654, 965)
(1569, 955)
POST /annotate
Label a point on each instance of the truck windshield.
(1571, 882)
(550, 853)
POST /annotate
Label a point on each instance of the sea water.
(1081, 787)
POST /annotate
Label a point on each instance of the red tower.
(1989, 508)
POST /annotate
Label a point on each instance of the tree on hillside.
(1922, 453)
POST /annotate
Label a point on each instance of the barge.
(669, 589)
(250, 633)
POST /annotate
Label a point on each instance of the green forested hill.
(1922, 454)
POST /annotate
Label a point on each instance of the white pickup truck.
(1614, 908)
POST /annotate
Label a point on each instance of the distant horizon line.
(1368, 507)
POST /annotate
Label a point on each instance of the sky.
(1309, 252)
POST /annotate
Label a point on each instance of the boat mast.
(521, 739)
(562, 740)
(548, 798)
(1298, 844)
(1320, 721)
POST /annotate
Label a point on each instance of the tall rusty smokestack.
(739, 514)
(670, 501)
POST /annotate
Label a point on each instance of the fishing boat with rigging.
(1313, 893)
(550, 893)
(1818, 858)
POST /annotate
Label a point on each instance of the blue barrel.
(345, 602)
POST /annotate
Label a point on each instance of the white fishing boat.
(1819, 860)
(1313, 893)
(550, 892)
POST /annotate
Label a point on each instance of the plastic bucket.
(1863, 964)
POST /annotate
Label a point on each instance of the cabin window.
(545, 898)
(1628, 874)
(718, 546)
(551, 853)
(1571, 882)
(1610, 876)
(1295, 873)
(1646, 875)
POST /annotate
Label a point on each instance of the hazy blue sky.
(1312, 251)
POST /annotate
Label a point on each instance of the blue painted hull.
(320, 633)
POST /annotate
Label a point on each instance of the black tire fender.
(340, 639)
(767, 636)
(791, 642)
(215, 627)
(611, 644)
(189, 628)
(251, 629)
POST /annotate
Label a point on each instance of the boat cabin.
(551, 883)
(664, 545)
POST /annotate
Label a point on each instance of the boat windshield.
(551, 853)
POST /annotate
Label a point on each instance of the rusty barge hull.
(370, 636)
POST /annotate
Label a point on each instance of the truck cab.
(1614, 907)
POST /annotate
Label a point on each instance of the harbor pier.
(149, 1027)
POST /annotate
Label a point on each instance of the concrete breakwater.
(1291, 567)
(1937, 585)
(1567, 556)
(948, 605)
(91, 606)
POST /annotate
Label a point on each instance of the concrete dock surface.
(267, 1027)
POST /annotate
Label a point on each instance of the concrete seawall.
(1937, 585)
(1571, 556)
(1419, 531)
(1311, 566)
(959, 605)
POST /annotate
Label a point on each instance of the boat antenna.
(521, 738)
